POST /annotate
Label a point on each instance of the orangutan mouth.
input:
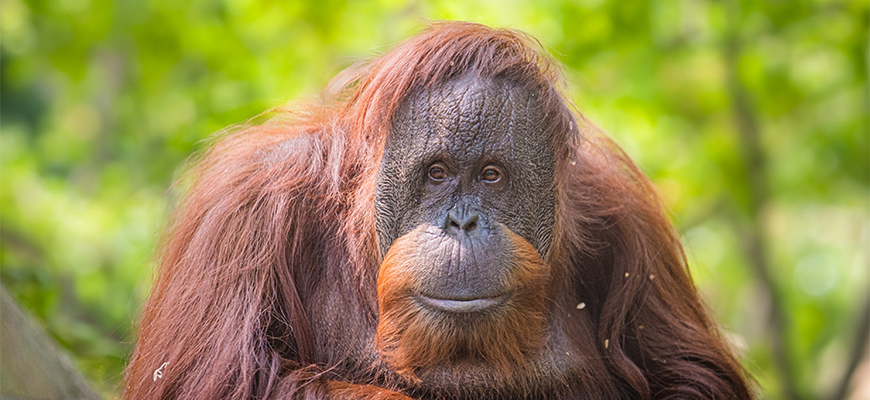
(463, 305)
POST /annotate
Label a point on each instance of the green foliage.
(103, 101)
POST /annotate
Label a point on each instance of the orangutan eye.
(437, 172)
(491, 174)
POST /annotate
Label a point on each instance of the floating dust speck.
(158, 373)
(626, 274)
(651, 276)
(606, 343)
(581, 306)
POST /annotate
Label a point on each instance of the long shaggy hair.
(281, 213)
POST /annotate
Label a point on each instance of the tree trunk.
(31, 366)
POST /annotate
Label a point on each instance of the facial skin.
(470, 149)
(465, 211)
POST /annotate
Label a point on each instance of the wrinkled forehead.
(470, 114)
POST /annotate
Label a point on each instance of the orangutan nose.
(459, 221)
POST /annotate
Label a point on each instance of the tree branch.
(859, 350)
(753, 243)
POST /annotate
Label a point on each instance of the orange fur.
(348, 391)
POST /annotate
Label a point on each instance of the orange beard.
(412, 338)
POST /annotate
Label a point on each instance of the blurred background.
(751, 117)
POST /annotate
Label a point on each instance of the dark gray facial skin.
(464, 162)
